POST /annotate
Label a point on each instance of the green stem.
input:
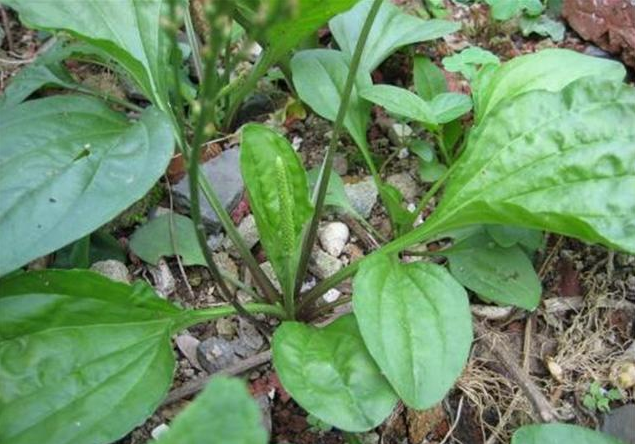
(193, 41)
(107, 97)
(444, 151)
(327, 164)
(209, 314)
(425, 200)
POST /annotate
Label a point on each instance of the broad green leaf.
(429, 79)
(549, 69)
(400, 101)
(560, 434)
(415, 320)
(554, 161)
(83, 359)
(391, 30)
(431, 171)
(279, 196)
(423, 150)
(450, 106)
(129, 31)
(507, 236)
(153, 240)
(544, 26)
(507, 9)
(329, 372)
(29, 80)
(498, 274)
(319, 76)
(468, 61)
(224, 412)
(80, 166)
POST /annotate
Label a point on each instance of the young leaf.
(400, 101)
(80, 166)
(102, 246)
(225, 411)
(555, 161)
(319, 76)
(279, 196)
(429, 79)
(391, 30)
(415, 320)
(560, 434)
(469, 60)
(129, 31)
(152, 240)
(544, 26)
(450, 106)
(506, 9)
(330, 374)
(73, 343)
(549, 69)
(423, 150)
(431, 171)
(401, 218)
(502, 275)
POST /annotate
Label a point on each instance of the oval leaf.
(561, 162)
(225, 411)
(153, 240)
(391, 30)
(560, 434)
(83, 359)
(429, 79)
(449, 106)
(79, 167)
(502, 275)
(330, 374)
(415, 320)
(400, 101)
(279, 196)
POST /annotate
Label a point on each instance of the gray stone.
(620, 423)
(333, 237)
(217, 353)
(227, 265)
(248, 231)
(362, 195)
(188, 345)
(115, 270)
(223, 172)
(164, 282)
(216, 241)
(323, 264)
(405, 184)
(340, 164)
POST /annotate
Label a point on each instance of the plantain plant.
(84, 359)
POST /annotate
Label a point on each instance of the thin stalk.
(444, 151)
(425, 200)
(322, 309)
(239, 284)
(209, 314)
(193, 41)
(325, 172)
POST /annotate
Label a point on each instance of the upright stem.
(327, 164)
(193, 41)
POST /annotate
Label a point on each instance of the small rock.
(217, 353)
(249, 335)
(265, 409)
(399, 133)
(405, 184)
(323, 264)
(296, 142)
(340, 164)
(333, 237)
(249, 232)
(332, 295)
(353, 252)
(216, 241)
(594, 51)
(226, 328)
(362, 195)
(223, 172)
(403, 153)
(620, 423)
(164, 282)
(227, 265)
(115, 270)
(271, 274)
(159, 430)
(491, 312)
(187, 344)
